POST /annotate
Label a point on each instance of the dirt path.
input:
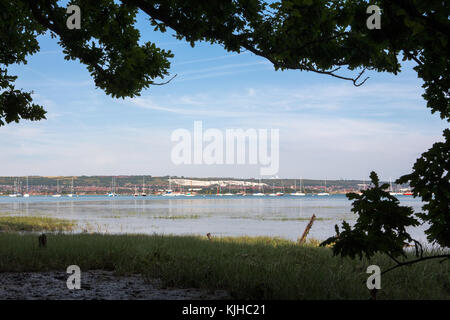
(95, 284)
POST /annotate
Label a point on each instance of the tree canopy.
(327, 37)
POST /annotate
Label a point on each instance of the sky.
(328, 128)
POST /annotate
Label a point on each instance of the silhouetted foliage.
(430, 180)
(15, 104)
(382, 222)
(17, 40)
(380, 227)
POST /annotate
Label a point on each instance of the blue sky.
(328, 128)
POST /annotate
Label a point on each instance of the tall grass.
(248, 268)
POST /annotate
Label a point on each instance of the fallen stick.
(308, 227)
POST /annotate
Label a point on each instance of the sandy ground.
(95, 284)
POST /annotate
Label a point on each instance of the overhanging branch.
(245, 43)
(163, 83)
(401, 264)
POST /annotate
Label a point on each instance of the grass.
(14, 223)
(247, 268)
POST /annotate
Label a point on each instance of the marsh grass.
(173, 217)
(246, 267)
(262, 218)
(299, 219)
(19, 223)
(193, 216)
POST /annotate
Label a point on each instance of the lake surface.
(284, 217)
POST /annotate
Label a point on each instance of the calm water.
(221, 216)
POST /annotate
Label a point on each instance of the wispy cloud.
(217, 71)
(264, 101)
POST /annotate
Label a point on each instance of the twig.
(163, 83)
(400, 264)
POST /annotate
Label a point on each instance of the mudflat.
(95, 284)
